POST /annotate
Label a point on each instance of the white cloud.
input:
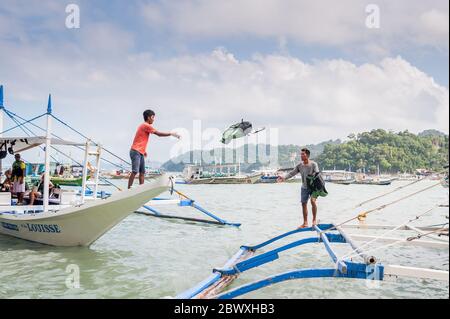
(324, 22)
(434, 28)
(308, 102)
(104, 39)
(101, 87)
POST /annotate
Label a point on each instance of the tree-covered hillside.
(252, 157)
(393, 152)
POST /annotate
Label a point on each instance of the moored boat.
(76, 225)
(373, 182)
(238, 179)
(70, 220)
(363, 179)
(338, 177)
(198, 174)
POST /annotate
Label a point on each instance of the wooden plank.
(191, 219)
(163, 202)
(402, 241)
(414, 272)
(386, 227)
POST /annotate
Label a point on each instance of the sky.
(312, 70)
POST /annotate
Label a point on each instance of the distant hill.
(392, 152)
(287, 156)
(431, 133)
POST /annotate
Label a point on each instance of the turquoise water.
(145, 257)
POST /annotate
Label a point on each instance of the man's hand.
(176, 135)
(281, 179)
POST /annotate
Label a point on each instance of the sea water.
(147, 257)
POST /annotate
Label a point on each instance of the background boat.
(124, 174)
(218, 174)
(338, 177)
(237, 179)
(373, 181)
(61, 174)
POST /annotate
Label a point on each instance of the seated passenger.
(38, 190)
(7, 183)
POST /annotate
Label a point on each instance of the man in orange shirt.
(138, 149)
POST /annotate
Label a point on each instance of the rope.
(354, 252)
(426, 234)
(388, 193)
(437, 224)
(402, 241)
(23, 127)
(385, 194)
(81, 134)
(76, 162)
(364, 214)
(20, 124)
(80, 148)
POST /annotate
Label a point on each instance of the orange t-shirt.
(141, 138)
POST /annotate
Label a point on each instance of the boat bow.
(81, 225)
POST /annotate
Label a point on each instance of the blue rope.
(23, 129)
(76, 131)
(42, 129)
(20, 124)
(59, 151)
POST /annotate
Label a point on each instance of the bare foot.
(314, 223)
(305, 225)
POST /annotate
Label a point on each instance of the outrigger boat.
(67, 178)
(76, 224)
(149, 209)
(121, 174)
(195, 175)
(373, 181)
(359, 263)
(338, 177)
(245, 179)
(80, 221)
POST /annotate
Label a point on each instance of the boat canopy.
(20, 144)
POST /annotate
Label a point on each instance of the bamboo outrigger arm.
(246, 259)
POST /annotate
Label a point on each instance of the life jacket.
(316, 185)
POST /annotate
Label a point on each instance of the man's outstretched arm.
(164, 134)
(291, 174)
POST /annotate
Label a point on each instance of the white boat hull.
(82, 225)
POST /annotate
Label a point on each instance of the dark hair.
(147, 114)
(307, 151)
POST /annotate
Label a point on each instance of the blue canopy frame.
(246, 259)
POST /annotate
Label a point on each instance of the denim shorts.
(305, 194)
(137, 162)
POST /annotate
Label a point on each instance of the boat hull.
(341, 182)
(267, 180)
(80, 226)
(226, 180)
(388, 182)
(61, 181)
